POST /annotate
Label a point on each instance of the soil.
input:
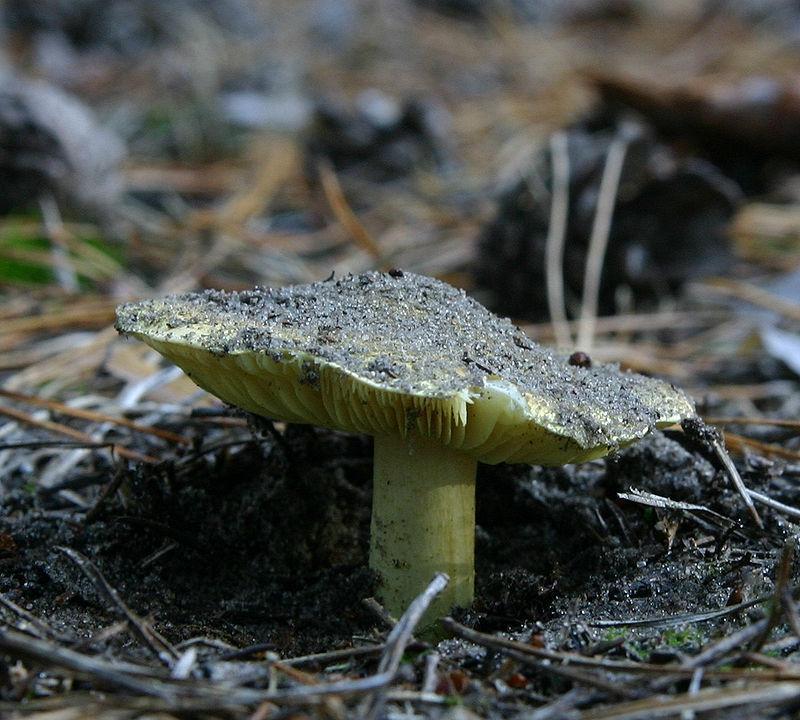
(269, 544)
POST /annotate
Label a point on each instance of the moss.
(613, 634)
(684, 638)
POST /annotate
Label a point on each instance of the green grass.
(26, 257)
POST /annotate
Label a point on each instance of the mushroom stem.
(423, 522)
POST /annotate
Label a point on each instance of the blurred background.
(621, 176)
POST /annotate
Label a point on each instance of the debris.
(784, 346)
(50, 144)
(668, 225)
(127, 27)
(243, 542)
(749, 119)
(381, 137)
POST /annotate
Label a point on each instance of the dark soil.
(269, 544)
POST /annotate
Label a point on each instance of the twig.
(275, 163)
(598, 240)
(213, 643)
(334, 656)
(790, 609)
(57, 234)
(144, 681)
(621, 666)
(38, 627)
(738, 483)
(431, 678)
(738, 443)
(184, 464)
(89, 315)
(783, 576)
(693, 689)
(719, 650)
(755, 295)
(344, 213)
(767, 422)
(105, 493)
(710, 438)
(398, 640)
(702, 701)
(379, 612)
(186, 695)
(643, 497)
(774, 504)
(564, 707)
(93, 416)
(299, 676)
(636, 322)
(101, 636)
(79, 360)
(556, 236)
(39, 444)
(767, 661)
(247, 652)
(185, 664)
(55, 427)
(429, 698)
(133, 678)
(158, 554)
(537, 661)
(682, 619)
(147, 635)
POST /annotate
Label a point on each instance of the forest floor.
(162, 555)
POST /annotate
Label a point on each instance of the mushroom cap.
(399, 353)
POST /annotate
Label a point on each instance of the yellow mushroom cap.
(399, 353)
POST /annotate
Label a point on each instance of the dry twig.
(556, 236)
(598, 241)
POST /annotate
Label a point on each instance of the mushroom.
(440, 383)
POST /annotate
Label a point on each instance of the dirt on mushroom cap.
(412, 334)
